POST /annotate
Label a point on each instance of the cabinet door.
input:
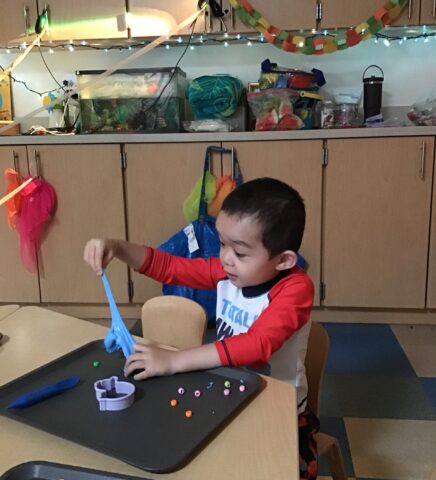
(377, 216)
(16, 283)
(153, 18)
(159, 177)
(431, 285)
(88, 184)
(349, 13)
(17, 19)
(284, 14)
(297, 163)
(428, 12)
(84, 19)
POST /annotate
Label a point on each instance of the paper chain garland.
(320, 43)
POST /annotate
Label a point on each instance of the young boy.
(263, 298)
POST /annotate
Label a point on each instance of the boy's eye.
(240, 255)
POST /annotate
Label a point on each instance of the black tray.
(55, 471)
(150, 434)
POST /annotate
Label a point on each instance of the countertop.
(217, 136)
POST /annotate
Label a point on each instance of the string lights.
(385, 37)
(390, 35)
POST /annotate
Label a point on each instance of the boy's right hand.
(99, 252)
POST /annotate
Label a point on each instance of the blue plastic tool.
(48, 391)
(118, 337)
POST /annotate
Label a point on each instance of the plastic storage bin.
(138, 100)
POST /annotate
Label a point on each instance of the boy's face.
(242, 254)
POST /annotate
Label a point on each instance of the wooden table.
(259, 443)
(6, 310)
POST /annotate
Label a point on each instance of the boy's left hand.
(150, 362)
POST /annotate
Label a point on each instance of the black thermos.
(372, 93)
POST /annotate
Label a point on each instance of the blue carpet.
(368, 396)
(429, 385)
(357, 349)
(335, 426)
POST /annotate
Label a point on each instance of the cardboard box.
(14, 130)
(5, 100)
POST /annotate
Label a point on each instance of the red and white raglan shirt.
(266, 324)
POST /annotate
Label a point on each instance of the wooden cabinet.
(16, 283)
(159, 177)
(297, 163)
(89, 188)
(428, 12)
(17, 20)
(82, 19)
(153, 18)
(349, 13)
(284, 14)
(369, 238)
(377, 217)
(431, 284)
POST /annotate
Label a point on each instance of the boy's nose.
(225, 259)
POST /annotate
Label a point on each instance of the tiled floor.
(379, 400)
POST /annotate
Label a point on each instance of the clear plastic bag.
(274, 109)
(423, 113)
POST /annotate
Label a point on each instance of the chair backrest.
(175, 321)
(316, 359)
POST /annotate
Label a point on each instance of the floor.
(379, 399)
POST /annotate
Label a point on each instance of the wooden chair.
(174, 321)
(316, 359)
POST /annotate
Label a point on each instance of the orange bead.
(188, 413)
(174, 403)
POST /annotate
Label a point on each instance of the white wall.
(410, 68)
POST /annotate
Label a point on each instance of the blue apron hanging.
(207, 239)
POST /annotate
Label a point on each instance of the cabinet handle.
(433, 11)
(26, 19)
(15, 159)
(410, 9)
(422, 169)
(232, 17)
(208, 20)
(37, 160)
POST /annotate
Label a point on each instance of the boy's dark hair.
(277, 207)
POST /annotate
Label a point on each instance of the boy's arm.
(161, 266)
(153, 361)
(130, 253)
(173, 270)
(99, 252)
(288, 311)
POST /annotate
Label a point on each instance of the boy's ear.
(286, 260)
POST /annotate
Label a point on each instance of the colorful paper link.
(318, 44)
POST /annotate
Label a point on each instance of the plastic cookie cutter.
(118, 337)
(113, 394)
